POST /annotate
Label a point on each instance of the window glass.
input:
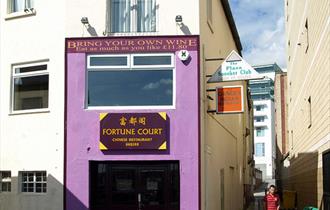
(260, 149)
(30, 69)
(145, 81)
(260, 132)
(130, 88)
(108, 61)
(19, 5)
(120, 15)
(31, 92)
(152, 60)
(34, 182)
(260, 119)
(5, 181)
(146, 15)
(133, 16)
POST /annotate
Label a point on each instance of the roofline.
(232, 25)
(276, 67)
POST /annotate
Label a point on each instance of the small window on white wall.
(30, 84)
(19, 5)
(34, 181)
(5, 180)
(260, 149)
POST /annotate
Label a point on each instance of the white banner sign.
(233, 68)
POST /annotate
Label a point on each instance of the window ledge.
(33, 194)
(151, 33)
(22, 14)
(31, 111)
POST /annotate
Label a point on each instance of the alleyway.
(259, 195)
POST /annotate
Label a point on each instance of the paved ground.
(259, 195)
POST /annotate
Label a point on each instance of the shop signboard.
(134, 131)
(234, 68)
(230, 99)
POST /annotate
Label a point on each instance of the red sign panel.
(132, 44)
(230, 99)
(134, 131)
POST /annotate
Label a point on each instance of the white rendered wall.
(34, 141)
(95, 11)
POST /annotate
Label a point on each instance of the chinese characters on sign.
(140, 131)
(230, 99)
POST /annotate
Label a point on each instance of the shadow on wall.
(52, 200)
(302, 178)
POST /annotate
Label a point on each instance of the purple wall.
(82, 134)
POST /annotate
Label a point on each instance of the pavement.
(259, 195)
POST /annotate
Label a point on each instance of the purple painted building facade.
(137, 171)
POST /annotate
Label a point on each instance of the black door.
(134, 185)
(326, 180)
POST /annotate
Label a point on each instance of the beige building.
(308, 58)
(227, 139)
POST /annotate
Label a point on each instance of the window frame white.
(154, 55)
(131, 68)
(5, 181)
(15, 75)
(21, 182)
(108, 67)
(263, 149)
(262, 129)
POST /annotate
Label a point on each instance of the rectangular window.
(133, 16)
(142, 80)
(34, 181)
(19, 5)
(260, 132)
(260, 149)
(30, 87)
(5, 181)
(260, 107)
(260, 119)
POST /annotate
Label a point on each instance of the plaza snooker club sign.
(234, 68)
(134, 131)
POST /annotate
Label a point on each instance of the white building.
(262, 93)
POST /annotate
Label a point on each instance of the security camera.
(178, 19)
(84, 20)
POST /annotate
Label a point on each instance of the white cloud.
(261, 27)
(155, 85)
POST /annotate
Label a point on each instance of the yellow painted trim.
(102, 146)
(103, 115)
(163, 146)
(162, 114)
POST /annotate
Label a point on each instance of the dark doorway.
(326, 180)
(147, 185)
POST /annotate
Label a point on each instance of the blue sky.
(261, 27)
